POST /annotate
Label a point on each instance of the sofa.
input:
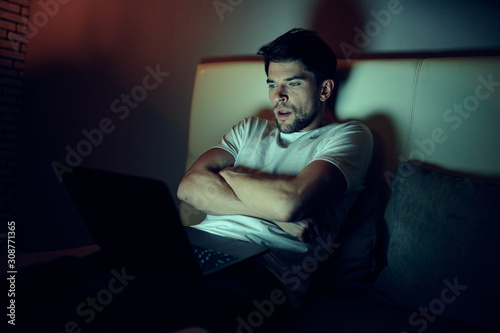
(419, 250)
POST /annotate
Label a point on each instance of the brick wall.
(14, 15)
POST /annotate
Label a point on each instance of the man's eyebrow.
(295, 77)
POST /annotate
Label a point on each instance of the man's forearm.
(209, 193)
(284, 197)
(272, 196)
(203, 188)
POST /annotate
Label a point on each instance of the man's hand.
(305, 230)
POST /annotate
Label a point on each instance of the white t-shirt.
(257, 144)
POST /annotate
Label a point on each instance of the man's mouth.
(282, 113)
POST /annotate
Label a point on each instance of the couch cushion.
(443, 252)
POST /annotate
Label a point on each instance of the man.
(289, 184)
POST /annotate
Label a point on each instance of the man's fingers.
(310, 231)
(305, 230)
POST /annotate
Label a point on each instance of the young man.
(289, 184)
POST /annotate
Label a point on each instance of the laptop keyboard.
(209, 259)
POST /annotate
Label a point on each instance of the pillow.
(443, 256)
(350, 269)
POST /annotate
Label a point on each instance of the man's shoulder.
(351, 126)
(350, 132)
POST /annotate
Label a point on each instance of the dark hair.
(304, 46)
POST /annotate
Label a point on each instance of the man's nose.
(280, 95)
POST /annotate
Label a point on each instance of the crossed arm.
(214, 186)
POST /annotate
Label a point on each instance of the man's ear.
(326, 90)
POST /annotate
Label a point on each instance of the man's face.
(294, 96)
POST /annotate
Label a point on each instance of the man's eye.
(294, 83)
(272, 86)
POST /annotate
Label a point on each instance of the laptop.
(137, 219)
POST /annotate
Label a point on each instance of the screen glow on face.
(294, 96)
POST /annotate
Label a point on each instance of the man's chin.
(283, 127)
(286, 129)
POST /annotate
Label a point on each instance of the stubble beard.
(300, 122)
